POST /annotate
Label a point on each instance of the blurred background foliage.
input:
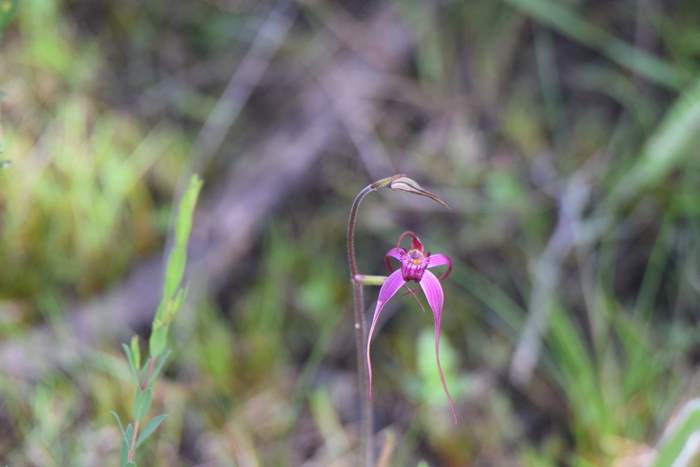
(563, 133)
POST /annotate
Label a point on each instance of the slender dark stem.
(352, 260)
(367, 418)
(366, 426)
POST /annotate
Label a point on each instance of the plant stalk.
(366, 408)
(395, 182)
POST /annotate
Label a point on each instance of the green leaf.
(183, 225)
(124, 453)
(174, 305)
(175, 268)
(159, 337)
(136, 351)
(130, 358)
(143, 403)
(150, 428)
(678, 435)
(123, 456)
(121, 427)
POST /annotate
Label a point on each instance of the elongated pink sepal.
(391, 285)
(436, 298)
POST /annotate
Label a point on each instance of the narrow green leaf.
(150, 428)
(143, 403)
(158, 318)
(121, 427)
(127, 352)
(159, 337)
(175, 304)
(678, 434)
(183, 225)
(136, 351)
(124, 453)
(129, 358)
(175, 269)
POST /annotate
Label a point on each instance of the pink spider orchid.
(414, 267)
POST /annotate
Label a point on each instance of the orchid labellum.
(415, 265)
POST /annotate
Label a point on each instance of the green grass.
(498, 105)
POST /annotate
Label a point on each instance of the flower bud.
(409, 185)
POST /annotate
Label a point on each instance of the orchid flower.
(415, 264)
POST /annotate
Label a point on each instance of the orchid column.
(396, 182)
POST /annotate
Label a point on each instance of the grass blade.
(678, 435)
(665, 149)
(570, 24)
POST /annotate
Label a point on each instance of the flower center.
(416, 256)
(413, 265)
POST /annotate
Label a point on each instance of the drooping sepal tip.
(403, 183)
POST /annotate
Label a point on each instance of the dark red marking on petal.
(416, 244)
(397, 254)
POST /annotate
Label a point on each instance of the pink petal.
(396, 253)
(389, 288)
(433, 293)
(438, 259)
